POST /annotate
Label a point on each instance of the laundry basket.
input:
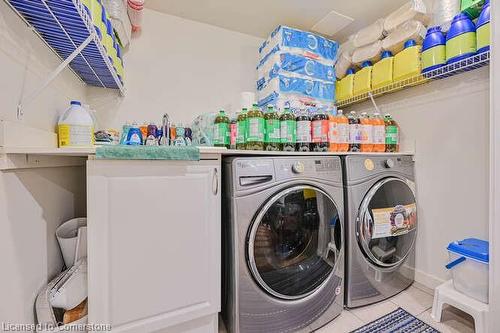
(469, 266)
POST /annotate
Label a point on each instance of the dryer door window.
(294, 242)
(387, 222)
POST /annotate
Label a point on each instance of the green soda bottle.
(241, 133)
(221, 130)
(391, 134)
(272, 136)
(288, 130)
(256, 129)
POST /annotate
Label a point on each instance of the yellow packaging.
(363, 79)
(383, 71)
(407, 63)
(344, 87)
(75, 135)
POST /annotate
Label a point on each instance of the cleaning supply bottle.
(303, 131)
(363, 79)
(288, 130)
(407, 63)
(391, 134)
(345, 86)
(378, 133)
(242, 129)
(134, 136)
(319, 126)
(433, 50)
(221, 130)
(354, 132)
(461, 39)
(272, 136)
(383, 71)
(125, 129)
(76, 127)
(343, 132)
(256, 128)
(483, 29)
(366, 145)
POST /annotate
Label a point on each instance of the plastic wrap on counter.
(412, 10)
(395, 41)
(370, 34)
(202, 128)
(367, 53)
(286, 39)
(443, 12)
(296, 66)
(343, 64)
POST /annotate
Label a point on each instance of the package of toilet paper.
(286, 39)
(281, 86)
(293, 101)
(294, 66)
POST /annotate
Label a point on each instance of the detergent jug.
(345, 86)
(483, 29)
(383, 71)
(363, 79)
(433, 50)
(461, 39)
(407, 63)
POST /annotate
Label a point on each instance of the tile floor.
(415, 300)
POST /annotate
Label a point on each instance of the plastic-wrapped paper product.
(412, 10)
(370, 34)
(286, 39)
(395, 41)
(119, 18)
(348, 46)
(294, 102)
(367, 53)
(296, 66)
(282, 86)
(343, 64)
(443, 12)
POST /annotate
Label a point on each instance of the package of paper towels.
(296, 41)
(296, 66)
(282, 86)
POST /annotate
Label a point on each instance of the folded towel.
(121, 152)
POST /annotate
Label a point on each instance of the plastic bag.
(370, 34)
(443, 12)
(120, 20)
(348, 46)
(343, 64)
(413, 10)
(202, 128)
(409, 30)
(370, 52)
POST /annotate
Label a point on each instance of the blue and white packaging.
(294, 65)
(287, 39)
(282, 86)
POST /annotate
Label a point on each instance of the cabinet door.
(153, 243)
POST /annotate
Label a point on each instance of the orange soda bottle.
(333, 132)
(366, 145)
(343, 132)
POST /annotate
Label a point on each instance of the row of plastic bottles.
(153, 135)
(306, 130)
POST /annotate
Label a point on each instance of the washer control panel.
(327, 168)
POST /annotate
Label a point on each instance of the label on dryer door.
(394, 221)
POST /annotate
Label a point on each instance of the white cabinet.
(154, 245)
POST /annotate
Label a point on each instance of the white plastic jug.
(76, 127)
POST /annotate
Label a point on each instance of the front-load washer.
(282, 243)
(381, 227)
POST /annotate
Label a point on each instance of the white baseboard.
(427, 281)
(16, 134)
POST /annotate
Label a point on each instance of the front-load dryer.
(283, 251)
(381, 227)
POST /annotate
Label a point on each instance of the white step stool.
(447, 294)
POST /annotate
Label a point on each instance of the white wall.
(181, 67)
(448, 122)
(25, 61)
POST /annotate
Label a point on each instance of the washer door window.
(387, 222)
(294, 243)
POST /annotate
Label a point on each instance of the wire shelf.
(464, 65)
(65, 25)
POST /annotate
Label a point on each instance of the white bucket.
(72, 238)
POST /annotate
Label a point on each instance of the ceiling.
(260, 17)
